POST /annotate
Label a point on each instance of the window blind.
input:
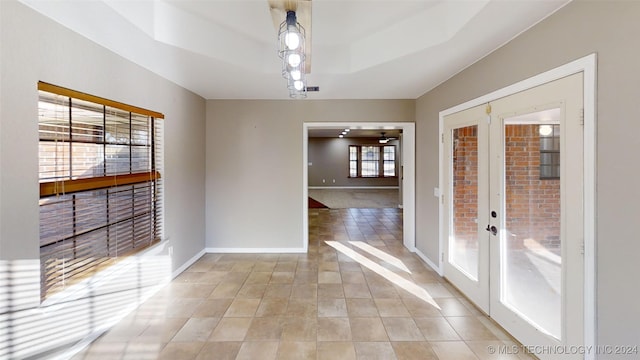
(100, 183)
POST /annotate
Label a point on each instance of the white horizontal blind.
(83, 229)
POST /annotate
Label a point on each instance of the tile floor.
(319, 305)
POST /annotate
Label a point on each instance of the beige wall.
(330, 161)
(254, 165)
(611, 29)
(34, 48)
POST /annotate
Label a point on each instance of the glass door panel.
(463, 243)
(466, 203)
(531, 240)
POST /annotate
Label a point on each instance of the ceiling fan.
(383, 139)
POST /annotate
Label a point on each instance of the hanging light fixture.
(291, 50)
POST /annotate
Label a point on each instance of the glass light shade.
(298, 85)
(292, 40)
(294, 60)
(295, 74)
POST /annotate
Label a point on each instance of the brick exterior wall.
(532, 205)
(465, 185)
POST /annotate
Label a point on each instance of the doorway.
(517, 195)
(407, 175)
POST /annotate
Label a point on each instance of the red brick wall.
(465, 184)
(532, 205)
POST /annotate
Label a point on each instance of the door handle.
(492, 229)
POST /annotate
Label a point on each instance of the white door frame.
(408, 176)
(586, 65)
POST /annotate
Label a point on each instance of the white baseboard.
(255, 250)
(189, 262)
(353, 187)
(428, 261)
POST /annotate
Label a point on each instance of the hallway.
(357, 294)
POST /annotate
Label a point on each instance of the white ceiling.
(393, 49)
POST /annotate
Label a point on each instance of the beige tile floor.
(319, 305)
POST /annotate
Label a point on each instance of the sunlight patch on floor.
(385, 273)
(381, 255)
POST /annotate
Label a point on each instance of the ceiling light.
(292, 40)
(294, 60)
(545, 130)
(291, 37)
(341, 136)
(347, 130)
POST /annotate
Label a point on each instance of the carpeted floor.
(357, 198)
(315, 204)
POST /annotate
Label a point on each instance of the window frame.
(380, 161)
(553, 151)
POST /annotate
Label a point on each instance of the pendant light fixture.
(291, 49)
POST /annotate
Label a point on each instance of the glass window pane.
(87, 160)
(140, 159)
(140, 129)
(54, 161)
(546, 143)
(119, 200)
(53, 117)
(87, 121)
(353, 161)
(117, 159)
(117, 130)
(389, 169)
(370, 161)
(56, 218)
(91, 210)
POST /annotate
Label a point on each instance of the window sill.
(372, 177)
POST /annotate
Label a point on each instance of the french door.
(513, 201)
